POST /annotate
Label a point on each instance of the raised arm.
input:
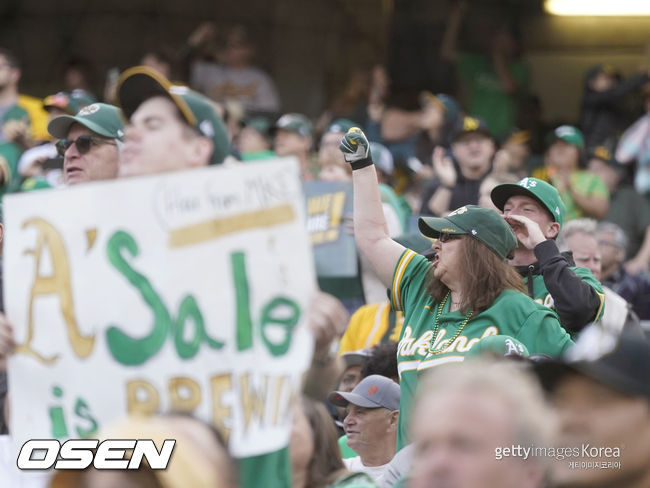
(370, 229)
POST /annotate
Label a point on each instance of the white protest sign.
(182, 291)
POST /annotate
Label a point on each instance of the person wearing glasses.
(467, 292)
(88, 143)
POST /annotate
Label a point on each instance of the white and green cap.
(101, 118)
(539, 190)
(140, 83)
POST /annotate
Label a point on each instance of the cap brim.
(342, 399)
(353, 359)
(140, 83)
(461, 133)
(60, 126)
(434, 226)
(502, 192)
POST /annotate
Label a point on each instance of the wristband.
(362, 163)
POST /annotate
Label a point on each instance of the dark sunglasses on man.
(83, 143)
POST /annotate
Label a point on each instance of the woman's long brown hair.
(484, 276)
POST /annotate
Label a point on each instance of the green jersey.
(513, 313)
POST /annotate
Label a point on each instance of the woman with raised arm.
(467, 292)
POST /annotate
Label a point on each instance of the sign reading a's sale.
(183, 291)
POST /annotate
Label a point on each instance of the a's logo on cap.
(565, 131)
(458, 211)
(373, 389)
(470, 123)
(284, 120)
(89, 109)
(557, 210)
(474, 232)
(512, 347)
(528, 183)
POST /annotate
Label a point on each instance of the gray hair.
(533, 420)
(577, 226)
(620, 238)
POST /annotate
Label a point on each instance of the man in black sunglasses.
(88, 143)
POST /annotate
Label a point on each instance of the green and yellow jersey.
(513, 313)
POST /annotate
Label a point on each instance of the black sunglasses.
(445, 237)
(83, 143)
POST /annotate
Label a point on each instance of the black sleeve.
(576, 302)
(626, 86)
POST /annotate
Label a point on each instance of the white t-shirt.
(356, 466)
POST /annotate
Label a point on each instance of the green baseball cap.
(138, 84)
(568, 134)
(101, 118)
(295, 123)
(498, 345)
(539, 190)
(482, 223)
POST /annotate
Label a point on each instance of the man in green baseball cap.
(170, 126)
(88, 143)
(535, 211)
(293, 135)
(583, 193)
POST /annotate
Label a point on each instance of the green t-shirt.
(486, 97)
(272, 469)
(346, 451)
(583, 183)
(513, 313)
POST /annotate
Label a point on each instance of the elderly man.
(88, 143)
(370, 423)
(604, 409)
(535, 211)
(635, 288)
(467, 422)
(293, 136)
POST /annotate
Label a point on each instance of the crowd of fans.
(516, 253)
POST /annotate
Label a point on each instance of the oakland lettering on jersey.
(410, 346)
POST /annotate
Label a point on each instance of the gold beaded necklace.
(436, 326)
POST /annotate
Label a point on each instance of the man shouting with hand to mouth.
(535, 211)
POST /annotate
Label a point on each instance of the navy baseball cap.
(374, 391)
(469, 124)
